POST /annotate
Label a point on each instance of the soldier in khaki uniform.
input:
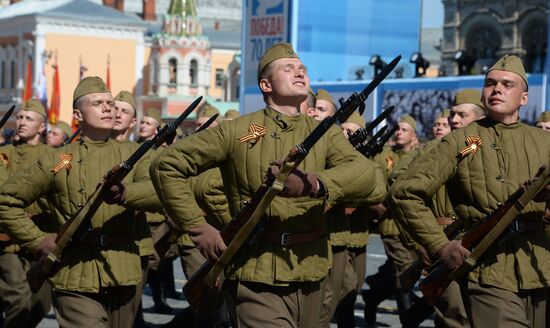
(58, 134)
(209, 197)
(467, 108)
(543, 121)
(98, 273)
(125, 121)
(324, 105)
(22, 308)
(231, 114)
(204, 114)
(509, 286)
(399, 256)
(275, 282)
(349, 233)
(449, 309)
(149, 124)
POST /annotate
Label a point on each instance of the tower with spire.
(180, 58)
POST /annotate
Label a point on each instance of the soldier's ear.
(524, 99)
(77, 114)
(265, 85)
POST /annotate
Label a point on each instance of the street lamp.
(465, 62)
(420, 64)
(378, 64)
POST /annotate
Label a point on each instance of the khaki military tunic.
(20, 306)
(477, 183)
(345, 174)
(84, 267)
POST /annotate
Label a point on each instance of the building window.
(13, 75)
(534, 42)
(219, 77)
(193, 71)
(173, 70)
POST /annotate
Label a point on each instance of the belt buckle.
(284, 238)
(102, 240)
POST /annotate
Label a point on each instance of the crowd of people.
(306, 264)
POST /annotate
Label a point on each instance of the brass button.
(80, 205)
(499, 178)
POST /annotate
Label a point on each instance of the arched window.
(173, 70)
(193, 72)
(482, 43)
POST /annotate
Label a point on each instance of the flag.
(28, 83)
(108, 78)
(41, 90)
(55, 104)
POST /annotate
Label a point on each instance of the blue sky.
(432, 13)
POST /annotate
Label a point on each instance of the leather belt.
(289, 239)
(103, 240)
(527, 226)
(444, 220)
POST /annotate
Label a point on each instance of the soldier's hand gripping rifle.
(7, 116)
(82, 219)
(237, 231)
(483, 235)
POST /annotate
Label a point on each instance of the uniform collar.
(285, 122)
(94, 143)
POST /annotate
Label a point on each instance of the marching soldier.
(205, 113)
(399, 257)
(324, 105)
(58, 134)
(231, 114)
(484, 162)
(209, 197)
(125, 120)
(149, 124)
(543, 121)
(277, 281)
(98, 273)
(467, 108)
(449, 309)
(349, 233)
(21, 307)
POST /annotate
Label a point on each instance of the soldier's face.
(55, 137)
(323, 109)
(125, 116)
(503, 94)
(97, 111)
(544, 125)
(349, 128)
(405, 136)
(28, 124)
(463, 115)
(148, 127)
(288, 82)
(441, 127)
(201, 120)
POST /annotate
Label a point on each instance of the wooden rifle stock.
(482, 235)
(411, 275)
(248, 220)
